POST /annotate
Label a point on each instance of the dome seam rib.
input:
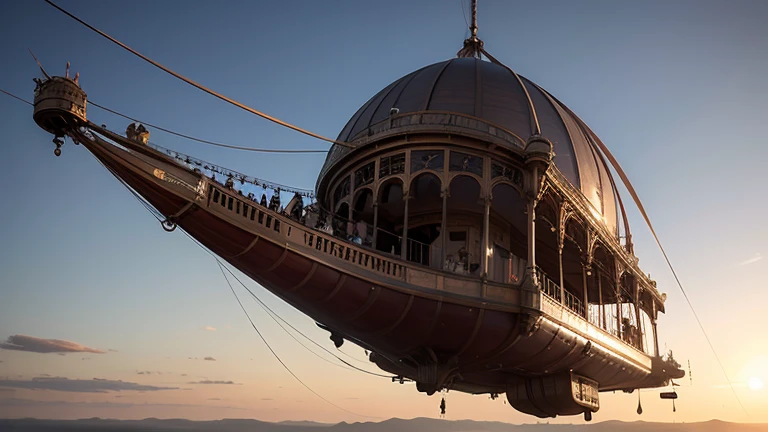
(478, 91)
(551, 102)
(378, 105)
(434, 84)
(412, 76)
(536, 128)
(356, 117)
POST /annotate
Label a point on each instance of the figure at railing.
(140, 133)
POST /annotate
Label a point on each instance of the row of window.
(423, 160)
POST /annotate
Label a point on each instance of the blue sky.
(675, 89)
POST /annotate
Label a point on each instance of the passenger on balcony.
(274, 202)
(356, 237)
(263, 201)
(327, 227)
(295, 208)
(450, 264)
(630, 332)
(230, 183)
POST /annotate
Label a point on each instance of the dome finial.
(473, 46)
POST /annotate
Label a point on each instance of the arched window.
(465, 209)
(391, 214)
(574, 254)
(547, 255)
(508, 235)
(425, 209)
(362, 216)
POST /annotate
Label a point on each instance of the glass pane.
(510, 173)
(364, 175)
(426, 159)
(341, 191)
(392, 165)
(466, 162)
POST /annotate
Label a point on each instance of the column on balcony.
(637, 315)
(600, 299)
(617, 291)
(375, 222)
(653, 323)
(404, 240)
(560, 246)
(486, 234)
(586, 293)
(444, 193)
(531, 224)
(573, 260)
(603, 264)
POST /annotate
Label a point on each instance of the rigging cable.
(200, 140)
(273, 351)
(17, 98)
(270, 311)
(195, 84)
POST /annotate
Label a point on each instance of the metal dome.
(494, 94)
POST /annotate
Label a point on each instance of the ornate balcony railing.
(564, 297)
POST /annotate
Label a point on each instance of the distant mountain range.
(391, 425)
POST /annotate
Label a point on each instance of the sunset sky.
(676, 89)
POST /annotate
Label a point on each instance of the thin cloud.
(209, 328)
(45, 346)
(214, 382)
(267, 399)
(95, 385)
(209, 359)
(25, 403)
(752, 260)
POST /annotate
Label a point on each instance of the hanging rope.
(16, 97)
(275, 354)
(270, 312)
(195, 84)
(200, 140)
